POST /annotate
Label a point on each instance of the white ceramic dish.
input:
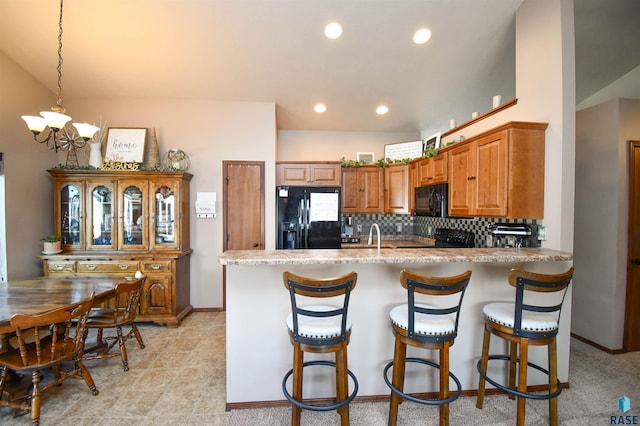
(52, 252)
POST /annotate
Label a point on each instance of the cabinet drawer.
(56, 267)
(107, 267)
(151, 266)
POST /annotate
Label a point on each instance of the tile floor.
(179, 379)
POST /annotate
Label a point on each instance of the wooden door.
(439, 168)
(460, 185)
(396, 189)
(243, 205)
(631, 341)
(350, 190)
(372, 183)
(490, 175)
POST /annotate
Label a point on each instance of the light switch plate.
(542, 233)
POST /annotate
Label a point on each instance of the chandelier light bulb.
(55, 120)
(35, 123)
(86, 130)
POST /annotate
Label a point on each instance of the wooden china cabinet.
(118, 222)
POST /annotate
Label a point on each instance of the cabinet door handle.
(56, 267)
(124, 267)
(92, 267)
(155, 266)
(636, 261)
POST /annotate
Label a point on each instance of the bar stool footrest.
(507, 389)
(421, 400)
(311, 407)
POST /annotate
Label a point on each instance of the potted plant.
(52, 244)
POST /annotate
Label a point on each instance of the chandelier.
(60, 137)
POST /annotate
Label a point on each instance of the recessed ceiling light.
(319, 107)
(333, 30)
(421, 36)
(382, 110)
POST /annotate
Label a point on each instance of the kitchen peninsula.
(258, 349)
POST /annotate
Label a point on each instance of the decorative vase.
(153, 160)
(51, 247)
(95, 155)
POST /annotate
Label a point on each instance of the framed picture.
(125, 144)
(366, 157)
(432, 141)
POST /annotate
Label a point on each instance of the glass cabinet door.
(101, 217)
(133, 231)
(164, 205)
(70, 216)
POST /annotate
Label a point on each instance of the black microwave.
(432, 200)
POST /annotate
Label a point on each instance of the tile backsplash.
(394, 224)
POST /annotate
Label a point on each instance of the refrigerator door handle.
(306, 223)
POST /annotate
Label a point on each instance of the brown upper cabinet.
(297, 173)
(499, 173)
(397, 188)
(363, 189)
(433, 169)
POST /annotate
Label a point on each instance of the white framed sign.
(402, 150)
(125, 144)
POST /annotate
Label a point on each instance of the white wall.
(28, 200)
(601, 219)
(306, 145)
(545, 89)
(209, 132)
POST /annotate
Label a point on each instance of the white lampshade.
(86, 130)
(55, 120)
(35, 123)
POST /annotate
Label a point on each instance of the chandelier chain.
(59, 92)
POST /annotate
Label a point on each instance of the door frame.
(225, 164)
(633, 200)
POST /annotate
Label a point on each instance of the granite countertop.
(390, 255)
(391, 241)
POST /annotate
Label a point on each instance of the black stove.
(453, 238)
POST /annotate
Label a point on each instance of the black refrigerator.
(308, 217)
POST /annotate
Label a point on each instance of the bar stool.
(320, 328)
(525, 324)
(428, 327)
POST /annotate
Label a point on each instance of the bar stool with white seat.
(526, 323)
(320, 328)
(429, 327)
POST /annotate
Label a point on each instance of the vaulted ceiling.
(275, 51)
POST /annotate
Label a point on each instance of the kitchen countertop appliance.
(453, 238)
(511, 235)
(308, 217)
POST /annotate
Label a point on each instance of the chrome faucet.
(371, 234)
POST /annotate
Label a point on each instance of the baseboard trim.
(598, 346)
(208, 310)
(371, 398)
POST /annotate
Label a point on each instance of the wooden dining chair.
(45, 341)
(127, 303)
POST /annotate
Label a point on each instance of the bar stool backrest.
(526, 281)
(337, 288)
(434, 286)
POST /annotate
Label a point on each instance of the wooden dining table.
(43, 294)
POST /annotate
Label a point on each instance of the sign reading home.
(125, 145)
